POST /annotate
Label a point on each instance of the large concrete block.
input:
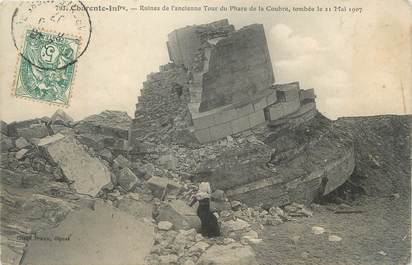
(34, 131)
(179, 214)
(307, 94)
(204, 121)
(220, 131)
(87, 173)
(256, 118)
(225, 116)
(203, 136)
(240, 124)
(158, 185)
(127, 179)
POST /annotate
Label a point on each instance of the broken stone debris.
(334, 238)
(61, 118)
(34, 131)
(234, 253)
(22, 143)
(87, 174)
(21, 154)
(317, 230)
(127, 179)
(159, 186)
(164, 225)
(179, 214)
(6, 143)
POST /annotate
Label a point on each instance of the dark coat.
(210, 226)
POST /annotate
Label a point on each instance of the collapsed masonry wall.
(288, 166)
(219, 84)
(239, 67)
(183, 44)
(282, 101)
(162, 105)
(278, 191)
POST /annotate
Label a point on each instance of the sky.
(359, 64)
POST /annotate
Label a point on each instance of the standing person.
(209, 224)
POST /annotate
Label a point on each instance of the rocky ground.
(136, 199)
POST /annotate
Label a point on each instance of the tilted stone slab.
(179, 214)
(34, 131)
(105, 235)
(87, 173)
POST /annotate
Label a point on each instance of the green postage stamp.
(47, 67)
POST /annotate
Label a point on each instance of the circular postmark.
(58, 32)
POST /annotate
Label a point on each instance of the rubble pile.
(267, 156)
(161, 115)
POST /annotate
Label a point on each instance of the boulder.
(138, 208)
(158, 185)
(121, 161)
(33, 131)
(234, 226)
(110, 123)
(317, 230)
(218, 195)
(106, 154)
(21, 154)
(61, 118)
(165, 225)
(230, 254)
(127, 179)
(87, 173)
(57, 128)
(179, 214)
(22, 143)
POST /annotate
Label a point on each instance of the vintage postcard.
(187, 132)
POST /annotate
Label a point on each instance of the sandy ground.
(379, 235)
